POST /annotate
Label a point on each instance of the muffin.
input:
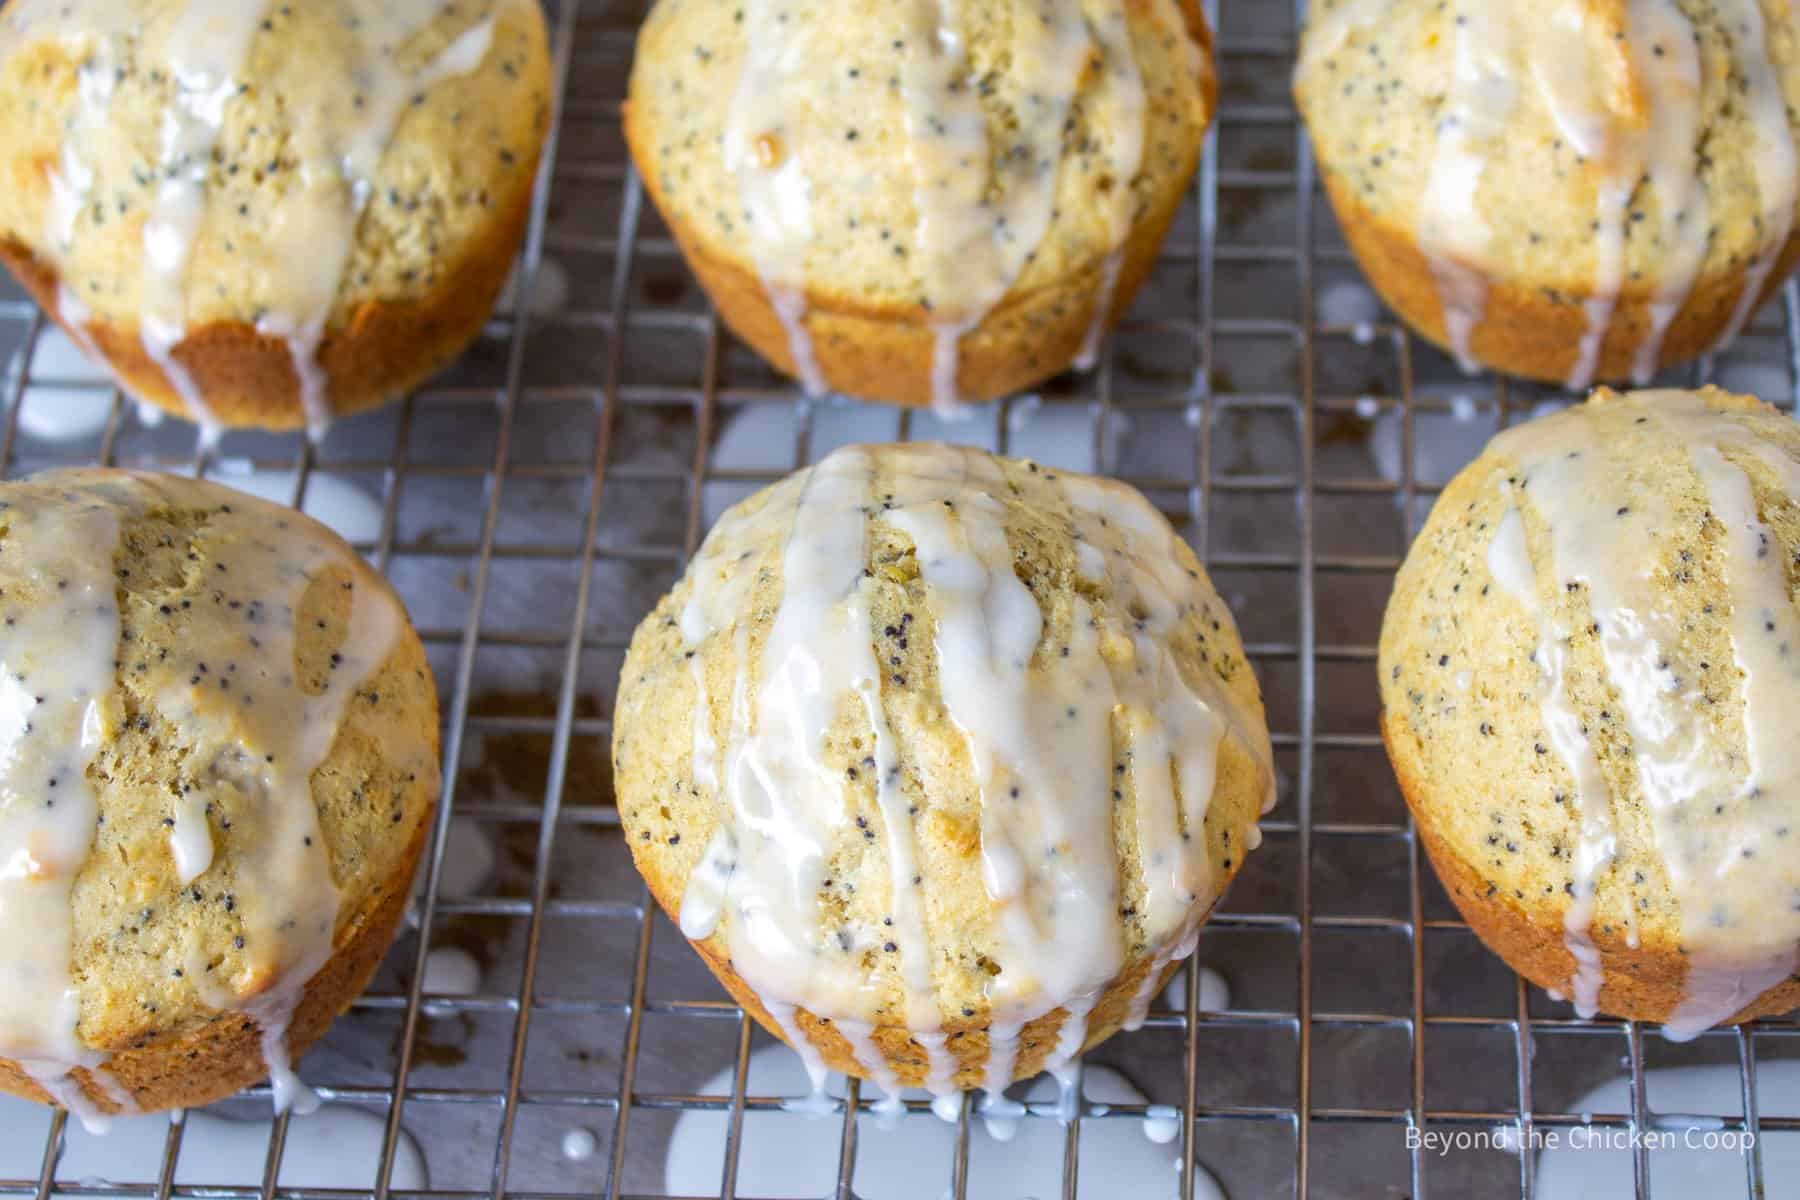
(221, 762)
(268, 215)
(940, 760)
(1567, 192)
(920, 203)
(1589, 672)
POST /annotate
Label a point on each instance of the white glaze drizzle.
(1072, 1035)
(815, 1103)
(71, 180)
(1578, 67)
(1718, 821)
(206, 52)
(340, 136)
(1033, 742)
(975, 245)
(1509, 561)
(56, 705)
(1036, 739)
(859, 1036)
(1125, 155)
(1777, 171)
(940, 1066)
(1328, 28)
(1179, 949)
(1731, 971)
(1452, 232)
(767, 157)
(1666, 56)
(231, 683)
(1175, 732)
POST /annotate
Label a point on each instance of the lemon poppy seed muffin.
(221, 761)
(268, 214)
(1568, 190)
(940, 760)
(1590, 669)
(920, 202)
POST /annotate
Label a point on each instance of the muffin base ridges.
(248, 379)
(966, 1038)
(1523, 331)
(884, 351)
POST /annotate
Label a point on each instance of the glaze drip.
(1038, 726)
(207, 51)
(1452, 230)
(56, 705)
(1777, 168)
(768, 158)
(1509, 561)
(1717, 820)
(340, 137)
(1125, 154)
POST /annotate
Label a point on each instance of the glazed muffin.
(940, 760)
(1565, 191)
(268, 215)
(914, 211)
(221, 762)
(1589, 672)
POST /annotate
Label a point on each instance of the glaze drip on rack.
(342, 124)
(1621, 84)
(1048, 734)
(60, 706)
(1718, 817)
(981, 209)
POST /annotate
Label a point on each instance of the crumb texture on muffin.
(969, 173)
(191, 180)
(1590, 669)
(220, 759)
(940, 760)
(1565, 189)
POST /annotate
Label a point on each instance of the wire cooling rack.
(532, 503)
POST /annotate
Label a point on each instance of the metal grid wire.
(535, 500)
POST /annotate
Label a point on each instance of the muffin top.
(1581, 146)
(888, 156)
(196, 161)
(221, 737)
(1589, 672)
(925, 735)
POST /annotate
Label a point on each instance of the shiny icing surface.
(1037, 727)
(56, 676)
(1621, 84)
(1718, 817)
(231, 682)
(344, 122)
(981, 208)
